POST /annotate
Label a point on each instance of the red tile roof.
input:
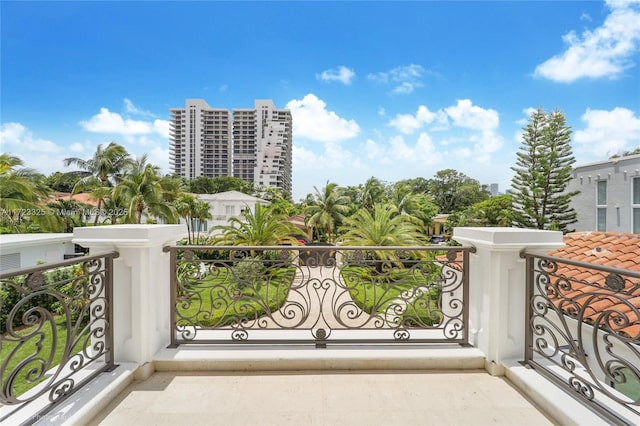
(590, 295)
(82, 197)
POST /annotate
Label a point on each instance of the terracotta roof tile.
(589, 294)
(632, 331)
(82, 197)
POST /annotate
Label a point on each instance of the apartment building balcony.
(486, 332)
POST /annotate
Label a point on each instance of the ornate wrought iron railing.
(583, 332)
(56, 333)
(319, 294)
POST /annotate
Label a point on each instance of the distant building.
(19, 251)
(226, 205)
(251, 144)
(200, 140)
(494, 189)
(609, 198)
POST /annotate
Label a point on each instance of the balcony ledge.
(300, 357)
(89, 402)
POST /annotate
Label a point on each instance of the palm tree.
(326, 211)
(382, 227)
(21, 191)
(372, 193)
(105, 168)
(201, 212)
(184, 205)
(190, 209)
(257, 228)
(70, 212)
(141, 192)
(416, 207)
(403, 199)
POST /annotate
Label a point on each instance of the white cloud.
(485, 144)
(16, 136)
(465, 114)
(161, 127)
(113, 123)
(603, 52)
(407, 123)
(404, 88)
(312, 121)
(40, 154)
(159, 156)
(76, 147)
(527, 115)
(130, 108)
(423, 152)
(138, 136)
(373, 150)
(405, 78)
(608, 132)
(341, 74)
(484, 121)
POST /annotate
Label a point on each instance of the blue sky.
(393, 90)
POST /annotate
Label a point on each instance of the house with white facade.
(226, 205)
(609, 198)
(19, 251)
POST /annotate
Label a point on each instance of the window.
(635, 205)
(601, 205)
(602, 219)
(602, 193)
(9, 261)
(230, 210)
(199, 226)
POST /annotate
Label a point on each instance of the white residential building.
(226, 205)
(254, 145)
(19, 251)
(200, 140)
(609, 198)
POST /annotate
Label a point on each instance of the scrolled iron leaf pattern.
(254, 289)
(60, 316)
(585, 329)
(614, 282)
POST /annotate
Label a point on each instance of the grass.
(379, 294)
(30, 349)
(631, 387)
(230, 297)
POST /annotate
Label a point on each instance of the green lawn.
(375, 293)
(230, 297)
(29, 349)
(631, 387)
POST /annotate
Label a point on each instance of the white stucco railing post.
(497, 276)
(140, 284)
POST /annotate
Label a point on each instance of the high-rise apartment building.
(254, 145)
(200, 140)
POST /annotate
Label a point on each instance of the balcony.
(357, 335)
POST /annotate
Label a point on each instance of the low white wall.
(26, 250)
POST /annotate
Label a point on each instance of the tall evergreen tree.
(543, 171)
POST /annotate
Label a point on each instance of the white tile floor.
(322, 398)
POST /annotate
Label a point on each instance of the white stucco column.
(140, 284)
(497, 288)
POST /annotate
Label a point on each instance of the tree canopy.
(543, 171)
(452, 190)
